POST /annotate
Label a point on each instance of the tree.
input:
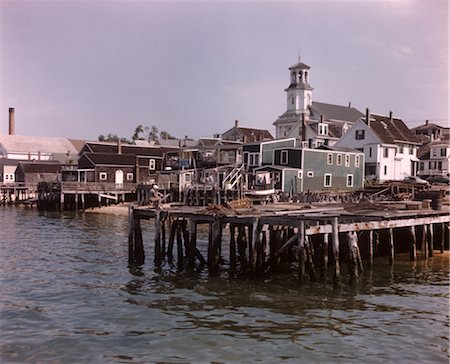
(112, 138)
(165, 135)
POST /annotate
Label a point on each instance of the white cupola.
(299, 92)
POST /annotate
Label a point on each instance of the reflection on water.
(68, 296)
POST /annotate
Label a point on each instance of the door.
(119, 179)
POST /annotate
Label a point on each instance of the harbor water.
(68, 296)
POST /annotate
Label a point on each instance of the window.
(254, 159)
(434, 152)
(151, 164)
(443, 152)
(400, 149)
(129, 176)
(349, 180)
(187, 177)
(357, 161)
(323, 129)
(347, 160)
(385, 170)
(421, 166)
(411, 149)
(310, 174)
(300, 174)
(327, 180)
(386, 152)
(246, 158)
(439, 166)
(339, 160)
(431, 165)
(370, 152)
(359, 134)
(103, 176)
(329, 159)
(292, 100)
(284, 157)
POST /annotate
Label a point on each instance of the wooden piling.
(191, 244)
(325, 249)
(136, 253)
(180, 256)
(232, 248)
(157, 257)
(335, 238)
(443, 233)
(173, 228)
(412, 247)
(424, 245)
(371, 251)
(391, 246)
(310, 259)
(431, 241)
(214, 245)
(301, 252)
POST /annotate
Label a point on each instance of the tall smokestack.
(12, 125)
(391, 116)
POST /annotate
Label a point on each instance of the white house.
(390, 148)
(434, 158)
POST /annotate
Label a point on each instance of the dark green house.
(297, 170)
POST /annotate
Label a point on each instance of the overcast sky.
(82, 68)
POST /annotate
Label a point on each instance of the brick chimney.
(12, 126)
(367, 116)
(303, 128)
(236, 123)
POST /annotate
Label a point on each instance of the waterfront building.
(313, 123)
(390, 148)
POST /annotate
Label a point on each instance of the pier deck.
(268, 238)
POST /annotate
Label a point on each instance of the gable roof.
(391, 131)
(107, 159)
(33, 167)
(37, 144)
(111, 148)
(336, 112)
(250, 134)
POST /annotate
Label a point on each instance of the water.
(67, 296)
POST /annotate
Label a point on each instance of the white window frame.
(357, 161)
(130, 176)
(300, 174)
(339, 160)
(347, 179)
(323, 129)
(284, 157)
(330, 159)
(325, 184)
(347, 160)
(103, 176)
(310, 174)
(152, 164)
(360, 134)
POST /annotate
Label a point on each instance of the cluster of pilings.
(261, 244)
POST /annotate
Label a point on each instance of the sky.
(78, 69)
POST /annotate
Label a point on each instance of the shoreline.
(118, 210)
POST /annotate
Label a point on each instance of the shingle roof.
(110, 159)
(392, 130)
(36, 144)
(336, 112)
(111, 148)
(40, 167)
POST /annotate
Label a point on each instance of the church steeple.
(299, 92)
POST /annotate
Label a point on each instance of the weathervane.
(299, 51)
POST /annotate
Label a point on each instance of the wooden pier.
(266, 239)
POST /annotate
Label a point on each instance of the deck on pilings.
(323, 235)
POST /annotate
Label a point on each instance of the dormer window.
(323, 129)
